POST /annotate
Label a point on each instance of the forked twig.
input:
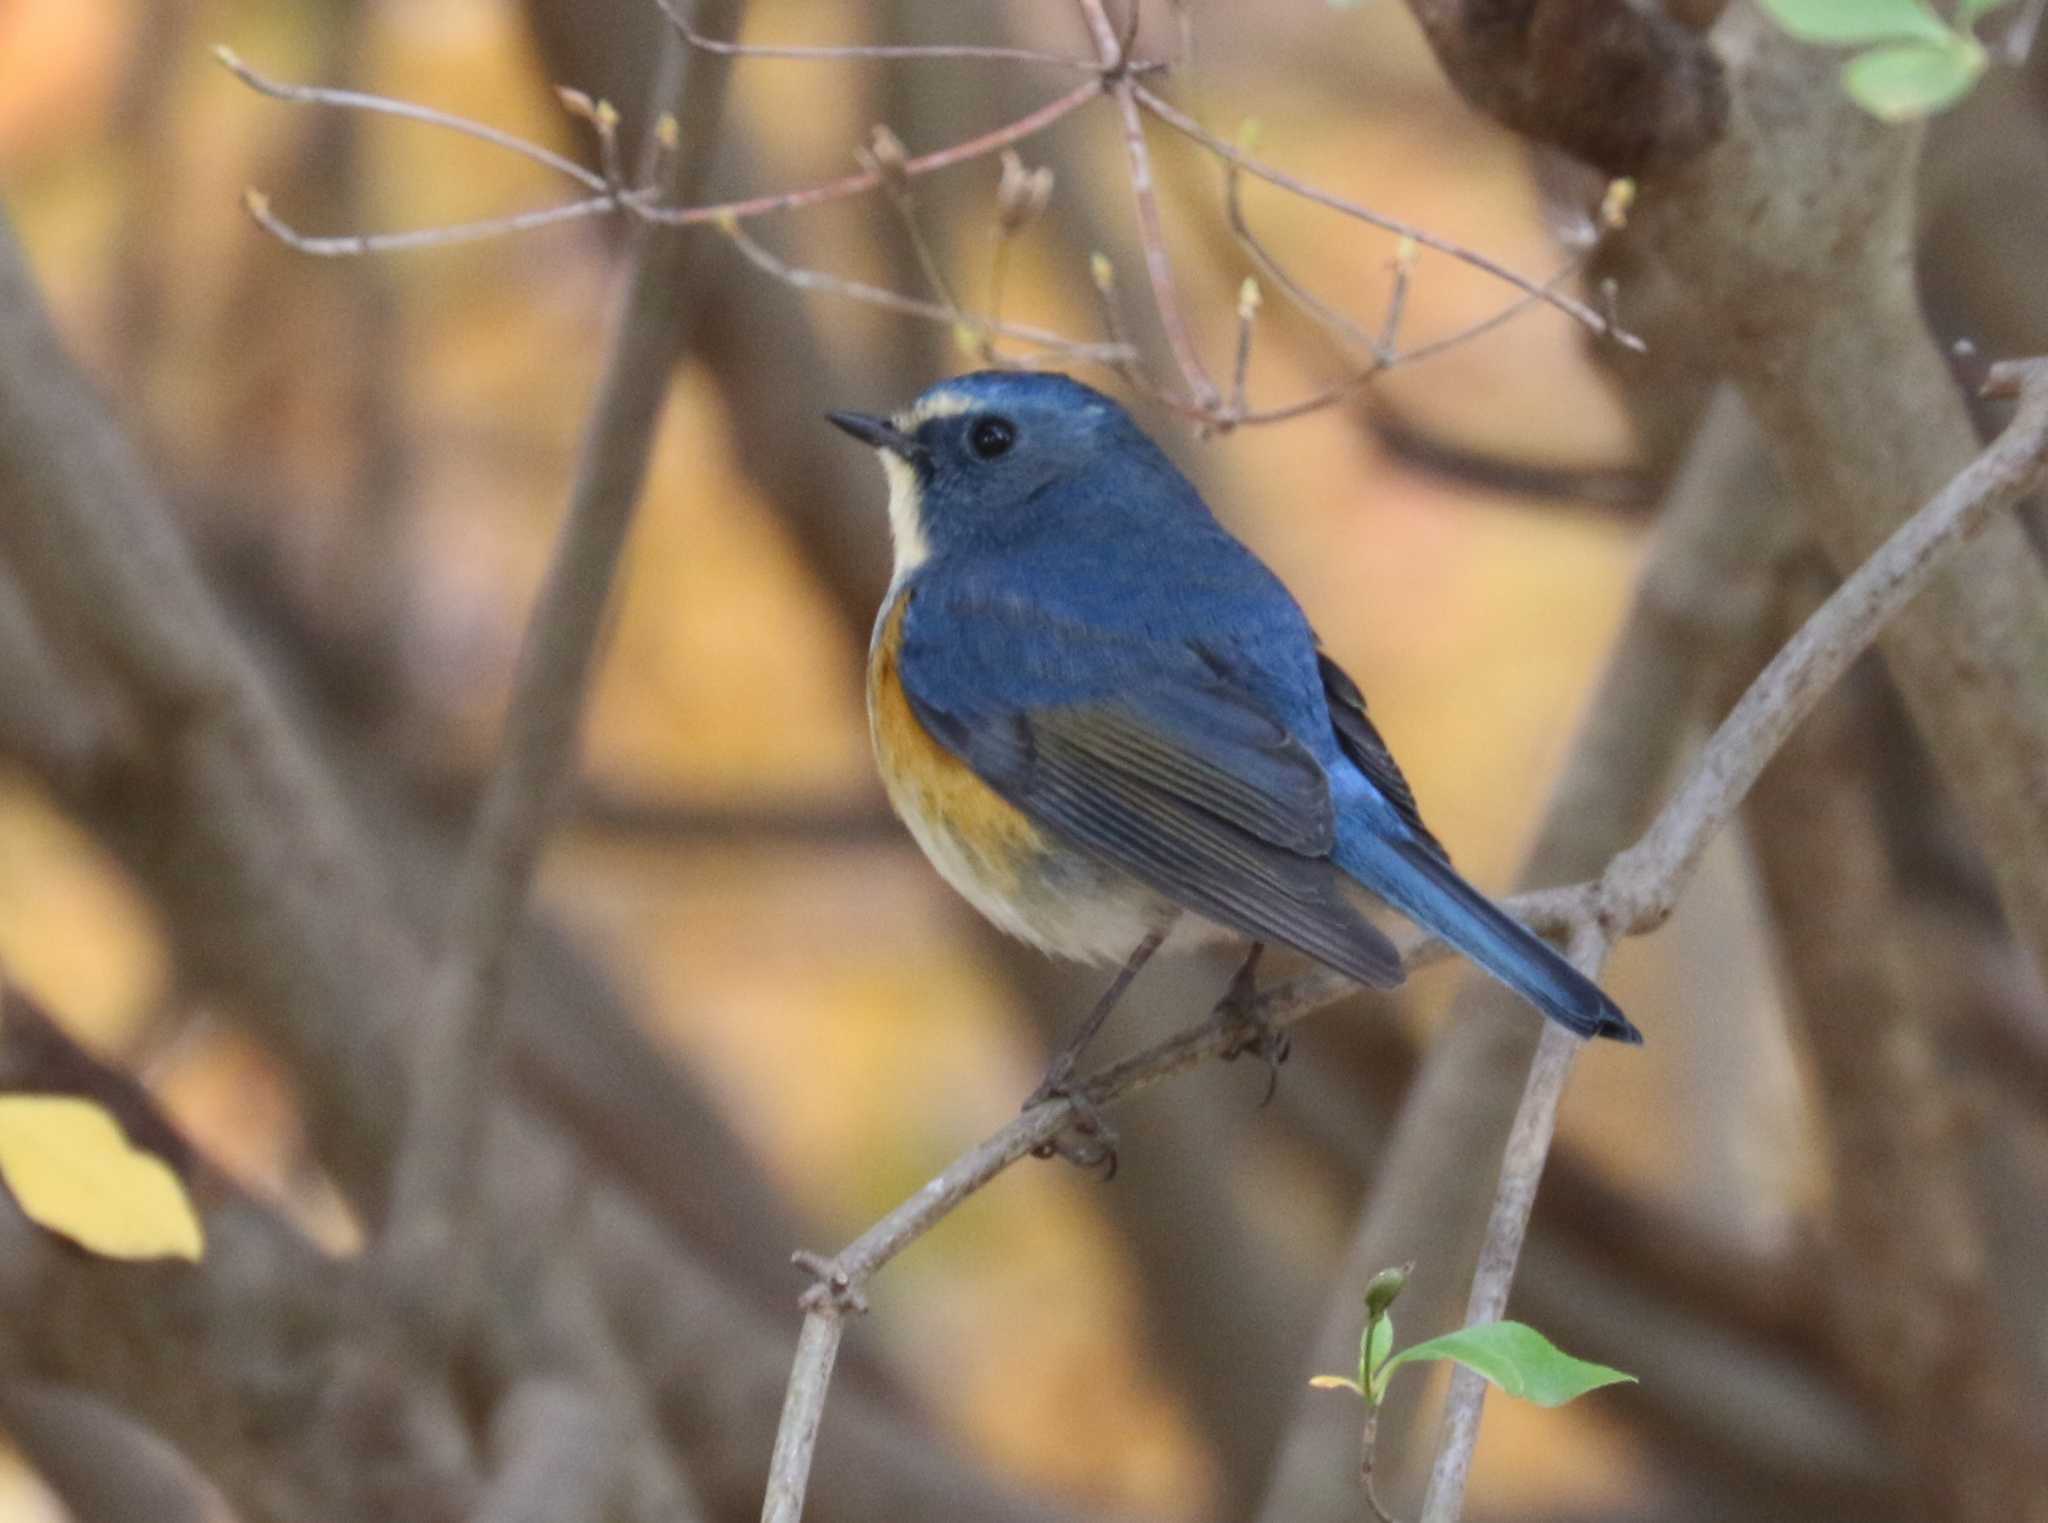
(1117, 78)
(1112, 354)
(1182, 123)
(884, 52)
(384, 105)
(1114, 72)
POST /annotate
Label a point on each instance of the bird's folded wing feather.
(1361, 741)
(1178, 776)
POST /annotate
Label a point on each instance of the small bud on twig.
(886, 156)
(1248, 299)
(1022, 194)
(1384, 1288)
(1614, 206)
(1103, 273)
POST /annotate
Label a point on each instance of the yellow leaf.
(74, 1172)
(1333, 1383)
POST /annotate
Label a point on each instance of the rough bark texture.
(1623, 87)
(1910, 1296)
(1794, 236)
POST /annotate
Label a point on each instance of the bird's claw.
(1251, 1034)
(1089, 1143)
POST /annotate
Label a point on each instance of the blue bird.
(1110, 726)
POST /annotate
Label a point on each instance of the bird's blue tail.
(1427, 889)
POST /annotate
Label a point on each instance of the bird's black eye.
(991, 437)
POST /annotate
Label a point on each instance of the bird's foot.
(1250, 1033)
(1089, 1143)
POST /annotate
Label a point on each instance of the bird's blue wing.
(1145, 750)
(1361, 742)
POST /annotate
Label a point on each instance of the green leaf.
(1372, 1355)
(1914, 79)
(1846, 22)
(1518, 1359)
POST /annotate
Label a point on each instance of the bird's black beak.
(878, 433)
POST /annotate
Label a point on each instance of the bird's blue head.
(975, 462)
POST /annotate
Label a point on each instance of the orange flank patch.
(932, 789)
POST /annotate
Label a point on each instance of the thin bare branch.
(1343, 386)
(1112, 354)
(981, 146)
(1521, 1170)
(1318, 310)
(1151, 228)
(1182, 123)
(803, 1408)
(639, 203)
(384, 105)
(349, 245)
(884, 52)
(1102, 280)
(1384, 347)
(1248, 300)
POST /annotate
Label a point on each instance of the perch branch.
(1628, 898)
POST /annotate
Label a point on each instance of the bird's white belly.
(1060, 901)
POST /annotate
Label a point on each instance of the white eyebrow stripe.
(940, 404)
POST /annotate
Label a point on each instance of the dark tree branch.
(1911, 1312)
(436, 1176)
(1794, 240)
(1623, 87)
(105, 1467)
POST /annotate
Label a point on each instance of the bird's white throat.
(906, 494)
(906, 515)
